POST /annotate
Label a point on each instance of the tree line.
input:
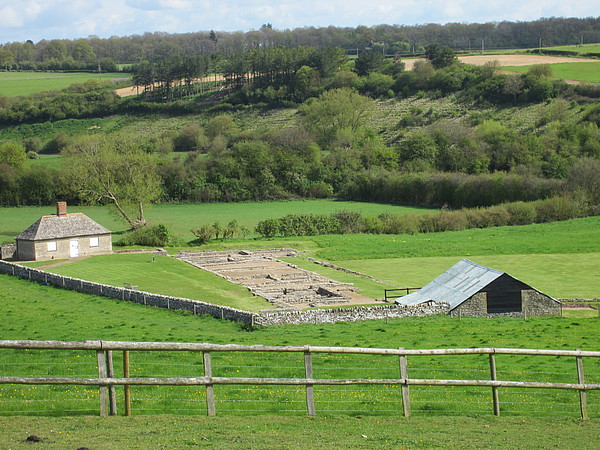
(388, 39)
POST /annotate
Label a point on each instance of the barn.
(475, 290)
(63, 235)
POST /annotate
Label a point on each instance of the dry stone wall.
(350, 314)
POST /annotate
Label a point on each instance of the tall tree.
(115, 172)
(335, 111)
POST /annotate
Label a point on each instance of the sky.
(71, 19)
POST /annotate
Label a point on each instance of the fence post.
(404, 387)
(582, 392)
(126, 388)
(112, 398)
(102, 372)
(493, 377)
(310, 393)
(210, 391)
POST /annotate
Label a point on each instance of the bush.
(151, 235)
(558, 208)
(203, 234)
(521, 213)
(268, 228)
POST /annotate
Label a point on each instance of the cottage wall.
(25, 250)
(38, 250)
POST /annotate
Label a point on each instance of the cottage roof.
(461, 281)
(62, 226)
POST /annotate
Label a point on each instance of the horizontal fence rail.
(106, 381)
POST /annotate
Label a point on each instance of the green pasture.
(277, 432)
(578, 71)
(34, 311)
(585, 48)
(184, 217)
(14, 84)
(572, 275)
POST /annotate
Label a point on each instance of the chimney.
(61, 209)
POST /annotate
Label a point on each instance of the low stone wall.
(130, 295)
(350, 314)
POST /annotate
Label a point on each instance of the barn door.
(74, 248)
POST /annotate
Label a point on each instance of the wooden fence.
(106, 380)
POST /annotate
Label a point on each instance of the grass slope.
(13, 84)
(163, 275)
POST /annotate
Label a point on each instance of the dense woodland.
(93, 52)
(465, 156)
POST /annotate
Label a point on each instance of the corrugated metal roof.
(457, 284)
(60, 227)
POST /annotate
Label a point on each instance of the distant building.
(61, 236)
(475, 290)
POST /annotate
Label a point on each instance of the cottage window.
(52, 246)
(94, 242)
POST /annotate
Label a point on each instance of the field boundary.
(107, 381)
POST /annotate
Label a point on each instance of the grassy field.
(33, 311)
(582, 71)
(585, 48)
(163, 275)
(184, 217)
(13, 84)
(276, 432)
(558, 275)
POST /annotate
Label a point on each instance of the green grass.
(163, 275)
(13, 84)
(276, 432)
(578, 71)
(558, 275)
(33, 311)
(585, 48)
(571, 236)
(184, 217)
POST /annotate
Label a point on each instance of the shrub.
(558, 208)
(350, 221)
(204, 233)
(521, 213)
(151, 235)
(268, 228)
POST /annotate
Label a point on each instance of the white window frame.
(95, 241)
(51, 245)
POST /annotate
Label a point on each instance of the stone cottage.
(475, 290)
(62, 235)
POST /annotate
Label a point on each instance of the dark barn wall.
(504, 295)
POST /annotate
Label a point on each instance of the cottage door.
(74, 248)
